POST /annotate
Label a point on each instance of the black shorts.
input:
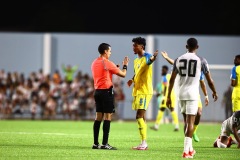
(104, 100)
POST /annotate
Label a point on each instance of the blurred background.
(43, 41)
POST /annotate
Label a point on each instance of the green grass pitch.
(72, 140)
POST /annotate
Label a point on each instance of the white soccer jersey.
(228, 124)
(189, 67)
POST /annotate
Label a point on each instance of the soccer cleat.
(96, 146)
(192, 153)
(186, 155)
(140, 147)
(176, 130)
(195, 137)
(154, 128)
(107, 146)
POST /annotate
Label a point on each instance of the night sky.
(160, 17)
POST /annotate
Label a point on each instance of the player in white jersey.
(189, 67)
(204, 89)
(229, 126)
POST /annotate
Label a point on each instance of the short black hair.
(236, 117)
(192, 43)
(165, 67)
(139, 40)
(237, 56)
(102, 47)
(236, 114)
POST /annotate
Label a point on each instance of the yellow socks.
(142, 126)
(159, 117)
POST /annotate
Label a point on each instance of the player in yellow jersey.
(162, 106)
(235, 83)
(204, 89)
(142, 89)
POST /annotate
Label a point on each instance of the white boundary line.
(55, 134)
(220, 66)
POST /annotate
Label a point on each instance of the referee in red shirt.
(102, 71)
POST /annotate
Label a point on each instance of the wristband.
(124, 67)
(206, 97)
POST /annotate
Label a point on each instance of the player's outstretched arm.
(165, 56)
(211, 85)
(170, 87)
(154, 57)
(123, 72)
(235, 133)
(204, 89)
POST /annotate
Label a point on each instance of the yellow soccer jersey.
(236, 76)
(143, 75)
(165, 83)
(236, 89)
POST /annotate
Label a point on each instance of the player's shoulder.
(146, 54)
(234, 68)
(182, 55)
(201, 58)
(237, 67)
(187, 56)
(95, 61)
(111, 62)
(179, 58)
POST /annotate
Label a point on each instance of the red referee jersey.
(102, 71)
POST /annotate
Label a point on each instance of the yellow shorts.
(199, 103)
(141, 101)
(173, 99)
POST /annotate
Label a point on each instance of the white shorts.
(189, 106)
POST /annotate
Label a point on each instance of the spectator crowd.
(49, 96)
